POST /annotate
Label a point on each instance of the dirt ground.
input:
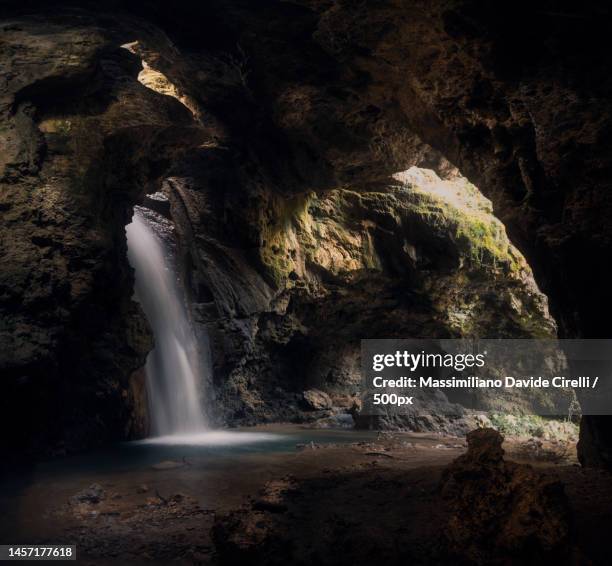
(165, 513)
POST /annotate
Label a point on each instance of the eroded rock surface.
(81, 140)
(410, 259)
(502, 512)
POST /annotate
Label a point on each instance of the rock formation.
(502, 512)
(81, 141)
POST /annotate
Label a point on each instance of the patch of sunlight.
(157, 81)
(468, 213)
(457, 191)
(456, 208)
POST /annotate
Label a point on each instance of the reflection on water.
(218, 468)
(208, 449)
(212, 438)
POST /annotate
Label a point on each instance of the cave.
(296, 177)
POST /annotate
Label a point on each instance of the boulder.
(316, 400)
(93, 494)
(502, 512)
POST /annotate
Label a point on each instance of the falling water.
(172, 367)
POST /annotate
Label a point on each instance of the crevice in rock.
(158, 82)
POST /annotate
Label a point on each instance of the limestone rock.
(502, 512)
(317, 400)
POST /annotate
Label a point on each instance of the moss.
(370, 258)
(279, 237)
(484, 241)
(533, 425)
(480, 237)
(58, 126)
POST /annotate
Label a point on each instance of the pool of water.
(218, 469)
(194, 449)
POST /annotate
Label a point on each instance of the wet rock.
(353, 252)
(339, 420)
(307, 446)
(502, 512)
(159, 203)
(70, 334)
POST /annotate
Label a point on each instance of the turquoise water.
(217, 467)
(196, 449)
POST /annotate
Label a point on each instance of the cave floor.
(131, 511)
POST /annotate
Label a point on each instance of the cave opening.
(154, 79)
(486, 250)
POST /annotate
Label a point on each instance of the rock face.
(503, 512)
(274, 129)
(409, 259)
(317, 400)
(81, 139)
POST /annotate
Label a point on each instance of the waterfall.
(172, 367)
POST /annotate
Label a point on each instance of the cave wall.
(286, 310)
(517, 96)
(82, 141)
(330, 97)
